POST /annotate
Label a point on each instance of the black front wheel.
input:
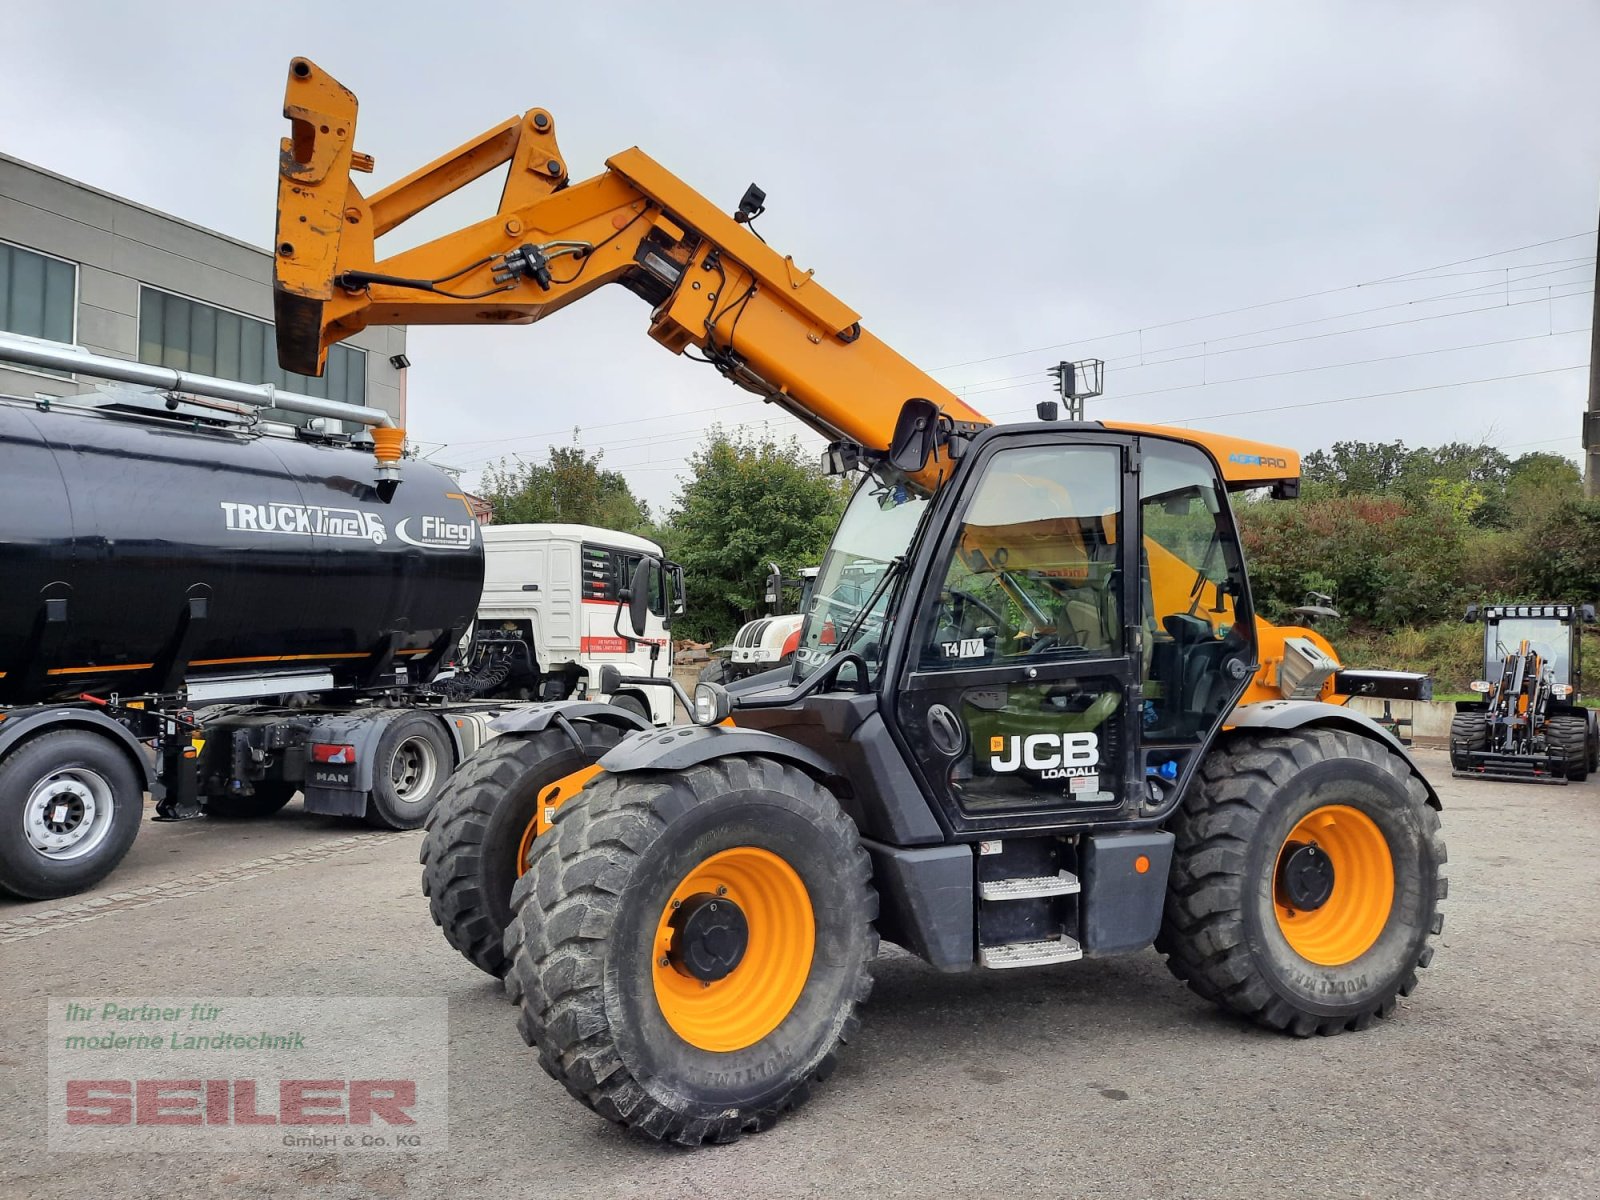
(689, 948)
(1568, 737)
(1469, 733)
(1305, 881)
(482, 832)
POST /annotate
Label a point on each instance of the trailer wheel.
(1305, 881)
(70, 806)
(1568, 736)
(1469, 732)
(270, 795)
(689, 948)
(414, 758)
(482, 831)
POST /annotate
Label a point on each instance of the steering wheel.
(965, 598)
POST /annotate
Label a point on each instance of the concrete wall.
(118, 245)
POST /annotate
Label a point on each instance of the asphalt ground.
(1093, 1078)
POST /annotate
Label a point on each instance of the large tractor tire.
(689, 947)
(1469, 732)
(409, 771)
(1567, 735)
(70, 806)
(1305, 881)
(270, 795)
(483, 829)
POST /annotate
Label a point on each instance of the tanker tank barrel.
(388, 438)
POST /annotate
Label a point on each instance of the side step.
(1063, 883)
(1031, 954)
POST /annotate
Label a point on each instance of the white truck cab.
(555, 588)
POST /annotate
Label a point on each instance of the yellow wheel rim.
(1350, 920)
(550, 798)
(752, 1000)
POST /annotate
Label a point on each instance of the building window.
(189, 336)
(38, 294)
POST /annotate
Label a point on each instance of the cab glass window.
(1033, 576)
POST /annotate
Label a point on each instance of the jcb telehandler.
(1032, 715)
(1530, 724)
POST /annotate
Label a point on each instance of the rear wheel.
(1305, 881)
(70, 807)
(413, 760)
(482, 831)
(1567, 735)
(689, 948)
(1469, 732)
(270, 795)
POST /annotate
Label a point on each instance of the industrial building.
(83, 266)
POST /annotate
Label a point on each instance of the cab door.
(1019, 692)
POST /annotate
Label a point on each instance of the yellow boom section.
(763, 320)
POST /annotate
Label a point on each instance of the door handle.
(945, 731)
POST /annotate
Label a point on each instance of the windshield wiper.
(896, 564)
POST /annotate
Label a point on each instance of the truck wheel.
(483, 829)
(689, 948)
(1305, 881)
(70, 806)
(628, 702)
(1567, 735)
(270, 795)
(414, 758)
(1469, 731)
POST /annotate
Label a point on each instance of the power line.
(1434, 387)
(1206, 346)
(1145, 360)
(1359, 362)
(1263, 304)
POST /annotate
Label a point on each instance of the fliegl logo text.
(437, 533)
(1052, 755)
(1259, 460)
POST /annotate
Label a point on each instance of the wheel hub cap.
(1305, 877)
(709, 937)
(68, 814)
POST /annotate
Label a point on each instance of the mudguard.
(1302, 714)
(689, 745)
(25, 722)
(536, 718)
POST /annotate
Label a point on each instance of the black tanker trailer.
(222, 612)
(219, 616)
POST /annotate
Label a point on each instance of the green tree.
(1356, 467)
(1386, 559)
(746, 502)
(570, 486)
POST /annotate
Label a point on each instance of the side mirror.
(774, 594)
(639, 594)
(679, 592)
(914, 435)
(610, 679)
(1472, 613)
(1586, 611)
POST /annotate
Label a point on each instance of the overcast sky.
(982, 181)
